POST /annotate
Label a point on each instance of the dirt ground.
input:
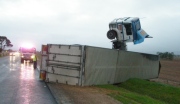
(169, 73)
(66, 94)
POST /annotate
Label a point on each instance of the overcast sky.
(86, 22)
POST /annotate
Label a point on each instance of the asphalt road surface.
(20, 83)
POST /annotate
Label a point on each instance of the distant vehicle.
(127, 29)
(27, 54)
(12, 54)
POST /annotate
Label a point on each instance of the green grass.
(163, 92)
(137, 91)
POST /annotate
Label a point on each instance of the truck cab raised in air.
(127, 29)
(27, 53)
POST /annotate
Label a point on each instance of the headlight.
(32, 56)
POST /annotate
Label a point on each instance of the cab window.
(128, 29)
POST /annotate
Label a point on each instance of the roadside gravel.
(67, 94)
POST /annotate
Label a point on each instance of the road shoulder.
(68, 94)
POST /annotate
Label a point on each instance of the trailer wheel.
(111, 34)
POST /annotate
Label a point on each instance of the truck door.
(138, 33)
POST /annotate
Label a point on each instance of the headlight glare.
(32, 56)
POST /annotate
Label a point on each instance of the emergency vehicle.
(27, 54)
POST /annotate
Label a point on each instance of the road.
(20, 84)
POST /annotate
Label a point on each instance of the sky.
(86, 22)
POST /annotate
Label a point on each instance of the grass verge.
(137, 91)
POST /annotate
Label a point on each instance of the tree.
(166, 55)
(4, 42)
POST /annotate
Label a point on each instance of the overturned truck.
(86, 65)
(126, 29)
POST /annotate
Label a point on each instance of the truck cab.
(27, 54)
(127, 29)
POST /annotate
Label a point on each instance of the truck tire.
(111, 34)
(22, 61)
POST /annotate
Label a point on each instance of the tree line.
(166, 55)
(4, 42)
